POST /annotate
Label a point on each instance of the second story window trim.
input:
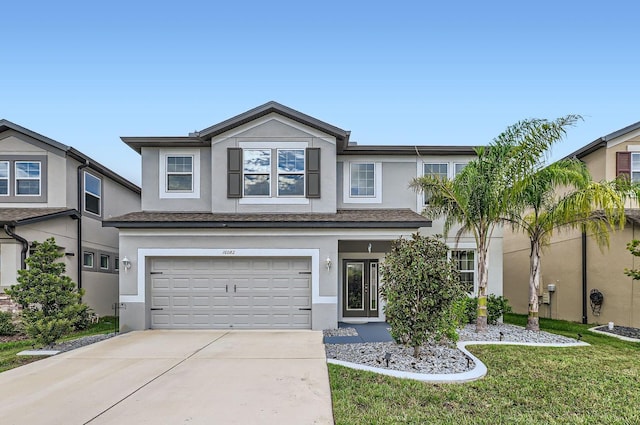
(440, 168)
(362, 182)
(28, 178)
(92, 194)
(291, 172)
(256, 170)
(4, 178)
(179, 173)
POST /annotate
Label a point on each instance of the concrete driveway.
(175, 377)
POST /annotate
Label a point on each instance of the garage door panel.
(231, 293)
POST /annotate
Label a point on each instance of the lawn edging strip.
(479, 371)
(624, 338)
(38, 353)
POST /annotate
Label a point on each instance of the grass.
(9, 350)
(599, 384)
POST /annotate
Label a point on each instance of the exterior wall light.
(328, 263)
(126, 263)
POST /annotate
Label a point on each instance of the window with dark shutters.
(623, 163)
(234, 173)
(313, 172)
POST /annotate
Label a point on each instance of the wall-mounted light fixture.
(328, 263)
(126, 263)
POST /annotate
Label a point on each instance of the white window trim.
(466, 246)
(84, 207)
(288, 173)
(451, 173)
(93, 260)
(346, 180)
(164, 192)
(28, 178)
(108, 261)
(8, 178)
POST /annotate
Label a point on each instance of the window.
(363, 180)
(635, 167)
(4, 178)
(92, 193)
(116, 264)
(440, 170)
(104, 262)
(28, 178)
(257, 172)
(464, 260)
(179, 173)
(87, 259)
(457, 167)
(291, 172)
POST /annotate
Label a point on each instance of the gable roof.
(360, 218)
(601, 142)
(70, 151)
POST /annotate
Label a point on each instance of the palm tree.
(480, 196)
(562, 195)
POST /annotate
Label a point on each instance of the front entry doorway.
(360, 294)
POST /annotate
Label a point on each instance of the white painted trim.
(633, 148)
(273, 145)
(479, 371)
(346, 180)
(624, 338)
(314, 255)
(344, 234)
(162, 181)
(273, 201)
(623, 138)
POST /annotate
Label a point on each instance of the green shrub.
(81, 317)
(421, 290)
(7, 327)
(496, 307)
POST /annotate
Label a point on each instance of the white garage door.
(214, 293)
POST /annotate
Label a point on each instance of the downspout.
(79, 224)
(584, 275)
(9, 230)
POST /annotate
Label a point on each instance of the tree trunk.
(416, 351)
(533, 323)
(483, 277)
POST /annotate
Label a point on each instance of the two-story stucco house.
(573, 264)
(273, 219)
(48, 189)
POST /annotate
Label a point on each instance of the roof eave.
(267, 225)
(73, 213)
(137, 143)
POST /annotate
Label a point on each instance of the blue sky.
(428, 73)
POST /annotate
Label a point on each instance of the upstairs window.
(179, 173)
(363, 180)
(4, 178)
(256, 167)
(440, 170)
(291, 172)
(28, 178)
(92, 194)
(457, 167)
(104, 262)
(87, 259)
(635, 167)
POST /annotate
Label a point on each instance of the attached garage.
(230, 292)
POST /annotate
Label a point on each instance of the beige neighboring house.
(573, 263)
(274, 219)
(48, 189)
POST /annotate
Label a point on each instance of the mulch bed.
(621, 331)
(13, 338)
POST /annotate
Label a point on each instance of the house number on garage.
(229, 252)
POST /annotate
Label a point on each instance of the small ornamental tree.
(49, 299)
(634, 248)
(421, 288)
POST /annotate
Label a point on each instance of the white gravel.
(340, 332)
(435, 358)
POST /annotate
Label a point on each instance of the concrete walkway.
(171, 377)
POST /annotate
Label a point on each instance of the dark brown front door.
(360, 288)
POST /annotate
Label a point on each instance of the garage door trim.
(143, 253)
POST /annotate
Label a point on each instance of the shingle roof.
(360, 218)
(18, 216)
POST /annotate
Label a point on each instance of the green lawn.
(524, 385)
(8, 350)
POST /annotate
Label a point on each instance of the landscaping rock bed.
(77, 343)
(435, 358)
(340, 332)
(621, 331)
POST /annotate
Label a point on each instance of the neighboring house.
(273, 219)
(575, 264)
(48, 189)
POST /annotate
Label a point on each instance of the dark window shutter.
(234, 173)
(623, 163)
(313, 172)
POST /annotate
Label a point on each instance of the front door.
(360, 288)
